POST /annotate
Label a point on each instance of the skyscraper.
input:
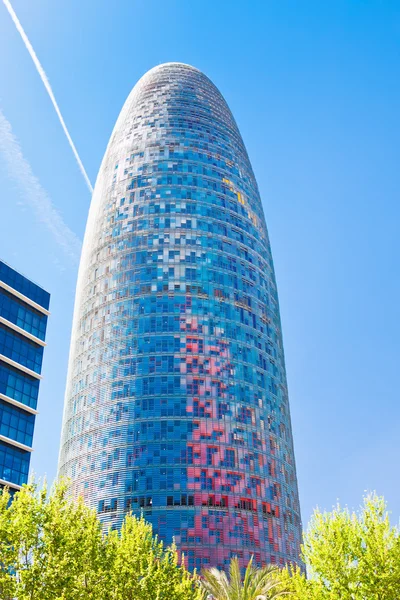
(176, 402)
(23, 320)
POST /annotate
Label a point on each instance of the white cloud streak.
(32, 193)
(49, 90)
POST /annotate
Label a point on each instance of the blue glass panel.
(20, 349)
(14, 464)
(16, 311)
(23, 285)
(16, 424)
(19, 386)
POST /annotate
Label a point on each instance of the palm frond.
(235, 584)
(216, 584)
(258, 584)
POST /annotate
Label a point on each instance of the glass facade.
(18, 386)
(14, 464)
(176, 401)
(20, 349)
(16, 424)
(23, 285)
(17, 312)
(22, 333)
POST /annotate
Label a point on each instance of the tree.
(349, 556)
(258, 584)
(144, 570)
(52, 548)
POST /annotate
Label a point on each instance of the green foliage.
(143, 569)
(350, 556)
(54, 549)
(257, 584)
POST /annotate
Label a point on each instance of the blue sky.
(315, 89)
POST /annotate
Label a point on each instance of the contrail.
(47, 85)
(32, 193)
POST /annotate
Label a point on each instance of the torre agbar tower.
(176, 402)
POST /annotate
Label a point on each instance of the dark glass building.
(23, 319)
(176, 402)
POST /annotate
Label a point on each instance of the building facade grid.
(23, 319)
(176, 403)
